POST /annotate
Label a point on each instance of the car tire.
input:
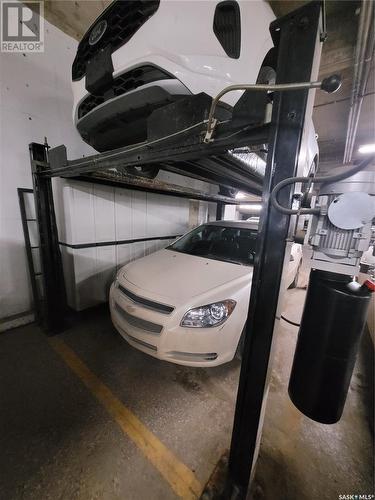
(148, 171)
(267, 72)
(229, 192)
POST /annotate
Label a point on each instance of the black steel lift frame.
(296, 37)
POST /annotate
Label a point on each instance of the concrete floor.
(58, 442)
(305, 459)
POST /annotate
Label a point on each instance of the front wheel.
(226, 191)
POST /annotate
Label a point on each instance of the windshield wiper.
(222, 259)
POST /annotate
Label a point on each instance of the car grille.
(123, 18)
(156, 306)
(140, 323)
(192, 356)
(122, 84)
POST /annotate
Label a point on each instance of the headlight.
(206, 316)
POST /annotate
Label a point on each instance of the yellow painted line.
(178, 475)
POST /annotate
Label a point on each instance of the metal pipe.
(359, 102)
(254, 86)
(362, 88)
(363, 52)
(330, 84)
(358, 65)
(361, 23)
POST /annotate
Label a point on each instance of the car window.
(229, 244)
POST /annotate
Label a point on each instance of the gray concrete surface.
(58, 442)
(302, 459)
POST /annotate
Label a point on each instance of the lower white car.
(188, 302)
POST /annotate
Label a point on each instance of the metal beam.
(29, 250)
(54, 306)
(218, 170)
(297, 35)
(220, 207)
(164, 151)
(152, 186)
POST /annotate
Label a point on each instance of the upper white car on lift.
(188, 303)
(140, 55)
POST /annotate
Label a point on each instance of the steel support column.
(220, 207)
(54, 306)
(297, 37)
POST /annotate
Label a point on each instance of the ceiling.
(74, 17)
(331, 110)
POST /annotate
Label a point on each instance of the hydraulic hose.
(315, 180)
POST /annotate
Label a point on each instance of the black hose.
(289, 321)
(316, 180)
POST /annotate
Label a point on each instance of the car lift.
(201, 153)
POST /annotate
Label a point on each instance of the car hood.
(180, 276)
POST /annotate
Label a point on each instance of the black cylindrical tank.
(331, 327)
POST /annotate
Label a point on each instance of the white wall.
(35, 101)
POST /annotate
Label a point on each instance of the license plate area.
(99, 71)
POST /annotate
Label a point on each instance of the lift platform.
(297, 39)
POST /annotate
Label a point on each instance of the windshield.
(229, 244)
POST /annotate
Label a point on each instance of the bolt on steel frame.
(296, 37)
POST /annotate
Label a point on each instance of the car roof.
(237, 224)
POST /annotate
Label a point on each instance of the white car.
(140, 55)
(144, 55)
(188, 303)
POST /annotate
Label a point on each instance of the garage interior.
(85, 414)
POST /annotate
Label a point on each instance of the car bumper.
(123, 120)
(200, 347)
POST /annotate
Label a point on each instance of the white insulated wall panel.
(84, 265)
(139, 214)
(123, 214)
(202, 212)
(166, 215)
(62, 202)
(80, 209)
(67, 256)
(104, 213)
(105, 268)
(96, 214)
(211, 207)
(93, 272)
(124, 254)
(138, 249)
